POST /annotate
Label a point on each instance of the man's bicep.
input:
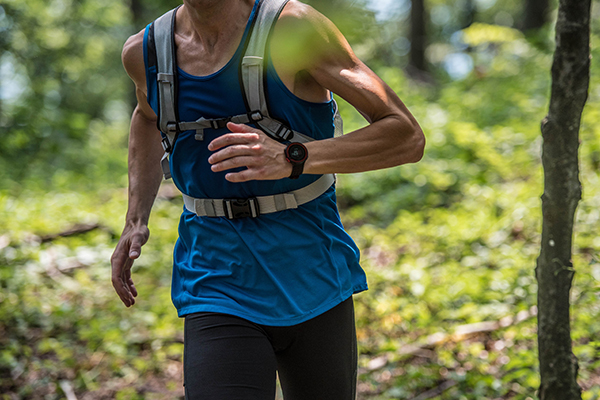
(333, 65)
(143, 107)
(360, 86)
(133, 62)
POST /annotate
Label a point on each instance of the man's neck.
(209, 20)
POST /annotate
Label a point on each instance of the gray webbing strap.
(277, 129)
(266, 204)
(166, 84)
(198, 125)
(254, 58)
(165, 76)
(202, 123)
(253, 65)
(338, 122)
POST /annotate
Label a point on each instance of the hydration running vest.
(162, 53)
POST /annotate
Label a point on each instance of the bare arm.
(145, 176)
(321, 51)
(311, 56)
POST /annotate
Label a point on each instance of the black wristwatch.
(296, 154)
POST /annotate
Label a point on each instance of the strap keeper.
(164, 77)
(166, 144)
(172, 127)
(241, 208)
(252, 60)
(164, 164)
(255, 116)
(284, 133)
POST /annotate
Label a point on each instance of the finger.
(123, 292)
(245, 175)
(126, 296)
(129, 282)
(233, 151)
(233, 139)
(119, 261)
(233, 127)
(235, 162)
(136, 246)
(119, 283)
(119, 257)
(132, 287)
(247, 158)
(125, 282)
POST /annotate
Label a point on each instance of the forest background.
(449, 244)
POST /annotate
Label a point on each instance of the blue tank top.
(279, 269)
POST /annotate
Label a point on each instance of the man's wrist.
(296, 154)
(135, 220)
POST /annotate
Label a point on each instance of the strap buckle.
(218, 123)
(284, 133)
(172, 127)
(241, 208)
(166, 144)
(255, 116)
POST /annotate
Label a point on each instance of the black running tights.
(230, 358)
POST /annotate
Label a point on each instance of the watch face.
(297, 152)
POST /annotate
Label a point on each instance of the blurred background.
(449, 244)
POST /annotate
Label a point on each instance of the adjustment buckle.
(172, 127)
(255, 116)
(214, 123)
(284, 133)
(241, 208)
(166, 145)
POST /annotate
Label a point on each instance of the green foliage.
(453, 239)
(60, 318)
(449, 241)
(351, 17)
(66, 54)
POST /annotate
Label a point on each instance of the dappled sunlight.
(449, 244)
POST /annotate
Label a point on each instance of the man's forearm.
(145, 174)
(386, 143)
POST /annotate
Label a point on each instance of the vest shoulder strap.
(253, 63)
(253, 74)
(162, 53)
(163, 39)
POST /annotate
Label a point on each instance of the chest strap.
(255, 206)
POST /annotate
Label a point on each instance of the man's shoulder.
(301, 35)
(132, 56)
(298, 17)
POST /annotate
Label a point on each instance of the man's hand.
(251, 148)
(128, 249)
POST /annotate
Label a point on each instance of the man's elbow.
(411, 141)
(404, 141)
(417, 142)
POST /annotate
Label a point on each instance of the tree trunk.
(137, 14)
(562, 192)
(418, 35)
(536, 14)
(469, 14)
(137, 20)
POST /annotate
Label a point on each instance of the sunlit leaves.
(67, 54)
(478, 34)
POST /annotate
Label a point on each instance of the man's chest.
(196, 59)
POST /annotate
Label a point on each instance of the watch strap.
(297, 160)
(297, 169)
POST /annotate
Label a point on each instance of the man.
(271, 293)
